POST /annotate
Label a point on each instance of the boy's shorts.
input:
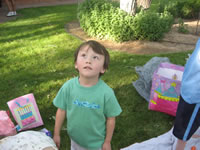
(184, 127)
(75, 146)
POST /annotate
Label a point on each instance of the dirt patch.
(172, 41)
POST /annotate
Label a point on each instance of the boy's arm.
(60, 117)
(110, 126)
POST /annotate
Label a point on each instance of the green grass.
(36, 56)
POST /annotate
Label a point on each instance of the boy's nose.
(88, 60)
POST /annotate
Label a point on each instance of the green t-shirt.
(87, 109)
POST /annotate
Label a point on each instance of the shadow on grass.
(37, 23)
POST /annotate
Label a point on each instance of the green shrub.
(191, 8)
(102, 19)
(182, 28)
(151, 26)
(184, 8)
(161, 6)
(181, 8)
(171, 7)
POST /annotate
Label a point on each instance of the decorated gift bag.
(25, 112)
(165, 90)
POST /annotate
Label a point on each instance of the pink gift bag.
(25, 112)
(165, 90)
(7, 127)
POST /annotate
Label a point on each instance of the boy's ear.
(103, 71)
(75, 65)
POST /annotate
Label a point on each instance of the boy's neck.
(88, 82)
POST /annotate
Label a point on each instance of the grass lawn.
(36, 56)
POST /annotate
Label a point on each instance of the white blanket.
(28, 140)
(165, 141)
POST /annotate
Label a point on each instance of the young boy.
(88, 103)
(188, 112)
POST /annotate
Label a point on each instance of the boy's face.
(89, 63)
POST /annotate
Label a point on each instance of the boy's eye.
(83, 55)
(95, 57)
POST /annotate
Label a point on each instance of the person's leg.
(8, 3)
(180, 145)
(13, 5)
(186, 123)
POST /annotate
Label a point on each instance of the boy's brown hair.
(97, 48)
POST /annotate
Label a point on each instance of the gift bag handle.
(27, 100)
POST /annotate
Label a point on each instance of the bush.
(187, 9)
(182, 28)
(102, 19)
(151, 26)
(171, 7)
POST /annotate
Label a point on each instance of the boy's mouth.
(88, 68)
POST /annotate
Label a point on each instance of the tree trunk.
(145, 4)
(129, 6)
(197, 24)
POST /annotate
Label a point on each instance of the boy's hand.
(106, 146)
(57, 141)
(60, 116)
(110, 125)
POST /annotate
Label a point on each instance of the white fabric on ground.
(166, 141)
(28, 140)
